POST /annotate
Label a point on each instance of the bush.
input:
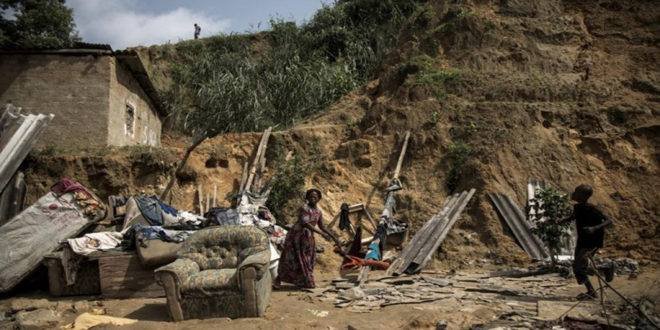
(221, 84)
(551, 227)
(424, 72)
(457, 155)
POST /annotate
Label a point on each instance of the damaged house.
(99, 97)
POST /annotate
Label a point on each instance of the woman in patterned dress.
(298, 257)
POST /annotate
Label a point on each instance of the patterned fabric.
(209, 268)
(223, 247)
(228, 303)
(181, 267)
(209, 282)
(299, 254)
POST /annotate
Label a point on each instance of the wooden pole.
(199, 199)
(364, 271)
(257, 158)
(208, 202)
(397, 171)
(243, 178)
(215, 196)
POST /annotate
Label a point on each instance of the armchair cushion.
(180, 268)
(223, 247)
(210, 282)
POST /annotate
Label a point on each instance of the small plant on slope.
(551, 227)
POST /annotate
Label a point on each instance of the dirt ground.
(544, 298)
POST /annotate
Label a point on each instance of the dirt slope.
(565, 91)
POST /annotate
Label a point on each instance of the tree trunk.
(179, 167)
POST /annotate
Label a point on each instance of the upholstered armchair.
(219, 272)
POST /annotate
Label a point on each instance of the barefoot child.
(590, 224)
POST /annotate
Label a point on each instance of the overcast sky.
(127, 23)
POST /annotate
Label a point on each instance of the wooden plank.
(421, 238)
(215, 196)
(199, 199)
(244, 176)
(371, 219)
(257, 158)
(401, 156)
(123, 276)
(208, 202)
(428, 250)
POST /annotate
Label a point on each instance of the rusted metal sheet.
(515, 219)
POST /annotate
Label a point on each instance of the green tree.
(552, 226)
(36, 24)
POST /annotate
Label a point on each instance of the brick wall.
(125, 91)
(73, 87)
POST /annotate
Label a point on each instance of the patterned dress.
(299, 253)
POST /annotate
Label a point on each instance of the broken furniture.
(360, 209)
(389, 231)
(156, 252)
(112, 274)
(38, 230)
(121, 275)
(426, 241)
(72, 275)
(515, 219)
(219, 272)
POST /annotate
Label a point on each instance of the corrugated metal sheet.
(19, 133)
(515, 219)
(427, 240)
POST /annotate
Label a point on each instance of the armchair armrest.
(258, 261)
(180, 269)
(170, 277)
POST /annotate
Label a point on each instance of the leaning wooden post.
(199, 199)
(399, 163)
(215, 196)
(208, 202)
(388, 209)
(257, 158)
(244, 176)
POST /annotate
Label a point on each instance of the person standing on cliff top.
(590, 223)
(198, 30)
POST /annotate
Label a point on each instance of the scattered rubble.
(37, 319)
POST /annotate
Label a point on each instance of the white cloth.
(185, 217)
(93, 242)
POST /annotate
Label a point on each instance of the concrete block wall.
(125, 90)
(74, 88)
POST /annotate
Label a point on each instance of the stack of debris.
(62, 213)
(90, 251)
(522, 225)
(386, 291)
(515, 219)
(426, 288)
(421, 248)
(18, 134)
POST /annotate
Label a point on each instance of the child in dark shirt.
(590, 223)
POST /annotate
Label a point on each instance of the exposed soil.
(564, 91)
